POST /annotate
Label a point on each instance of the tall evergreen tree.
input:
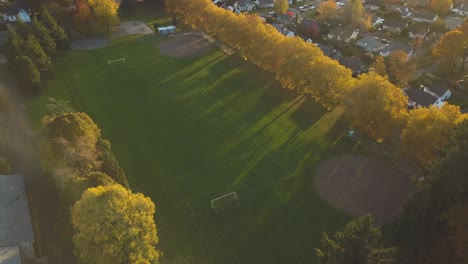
(27, 73)
(358, 243)
(22, 29)
(43, 36)
(14, 45)
(37, 54)
(55, 30)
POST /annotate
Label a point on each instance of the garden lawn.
(189, 130)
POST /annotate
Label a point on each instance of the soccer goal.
(109, 62)
(225, 202)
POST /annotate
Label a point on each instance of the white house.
(424, 16)
(343, 34)
(435, 95)
(16, 12)
(244, 5)
(16, 231)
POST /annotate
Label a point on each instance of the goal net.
(109, 62)
(225, 202)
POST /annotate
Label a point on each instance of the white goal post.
(117, 60)
(226, 201)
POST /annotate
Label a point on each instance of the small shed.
(166, 30)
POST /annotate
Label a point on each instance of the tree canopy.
(114, 225)
(43, 36)
(358, 243)
(453, 48)
(281, 6)
(441, 7)
(400, 70)
(34, 50)
(328, 11)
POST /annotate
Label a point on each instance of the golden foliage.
(114, 225)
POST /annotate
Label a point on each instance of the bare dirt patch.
(185, 47)
(359, 185)
(133, 28)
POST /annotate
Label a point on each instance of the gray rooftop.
(370, 44)
(10, 255)
(421, 97)
(15, 221)
(396, 45)
(453, 22)
(438, 89)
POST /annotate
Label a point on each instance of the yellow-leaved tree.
(328, 10)
(376, 107)
(105, 12)
(281, 6)
(427, 130)
(114, 225)
(441, 7)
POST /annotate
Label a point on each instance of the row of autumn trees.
(30, 49)
(373, 105)
(108, 222)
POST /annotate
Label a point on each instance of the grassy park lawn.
(189, 130)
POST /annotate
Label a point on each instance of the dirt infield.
(359, 185)
(185, 46)
(133, 28)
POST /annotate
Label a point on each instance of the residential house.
(424, 15)
(330, 52)
(418, 30)
(395, 46)
(425, 96)
(373, 5)
(16, 231)
(419, 3)
(355, 64)
(343, 34)
(284, 30)
(310, 28)
(370, 44)
(265, 3)
(16, 12)
(376, 20)
(463, 10)
(394, 25)
(404, 11)
(453, 22)
(284, 18)
(244, 5)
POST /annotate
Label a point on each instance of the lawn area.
(189, 130)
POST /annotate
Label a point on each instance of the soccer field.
(189, 130)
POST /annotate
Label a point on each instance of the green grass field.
(189, 130)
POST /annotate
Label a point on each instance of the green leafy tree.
(22, 29)
(281, 6)
(358, 243)
(43, 36)
(27, 73)
(37, 54)
(354, 12)
(445, 187)
(57, 107)
(114, 225)
(14, 46)
(55, 30)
